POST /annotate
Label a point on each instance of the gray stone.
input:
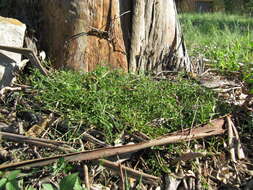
(12, 33)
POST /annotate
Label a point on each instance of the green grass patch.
(114, 101)
(225, 39)
(217, 29)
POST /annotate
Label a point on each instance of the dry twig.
(86, 177)
(231, 140)
(122, 177)
(36, 141)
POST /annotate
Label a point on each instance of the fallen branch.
(215, 127)
(27, 53)
(35, 141)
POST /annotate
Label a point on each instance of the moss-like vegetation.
(114, 101)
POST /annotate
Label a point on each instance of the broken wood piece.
(199, 128)
(86, 177)
(27, 53)
(239, 149)
(215, 127)
(234, 142)
(231, 144)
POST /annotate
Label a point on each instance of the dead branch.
(35, 141)
(215, 127)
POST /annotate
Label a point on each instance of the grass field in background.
(225, 39)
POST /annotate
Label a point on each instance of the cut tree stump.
(134, 35)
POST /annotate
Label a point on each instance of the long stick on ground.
(36, 141)
(215, 127)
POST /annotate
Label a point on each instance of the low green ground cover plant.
(13, 180)
(116, 102)
(8, 180)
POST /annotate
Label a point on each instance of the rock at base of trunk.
(12, 33)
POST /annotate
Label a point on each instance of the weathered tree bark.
(156, 41)
(81, 34)
(135, 35)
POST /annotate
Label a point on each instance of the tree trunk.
(81, 34)
(156, 42)
(135, 35)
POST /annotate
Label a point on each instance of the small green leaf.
(12, 185)
(2, 182)
(68, 182)
(12, 175)
(47, 186)
(78, 185)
